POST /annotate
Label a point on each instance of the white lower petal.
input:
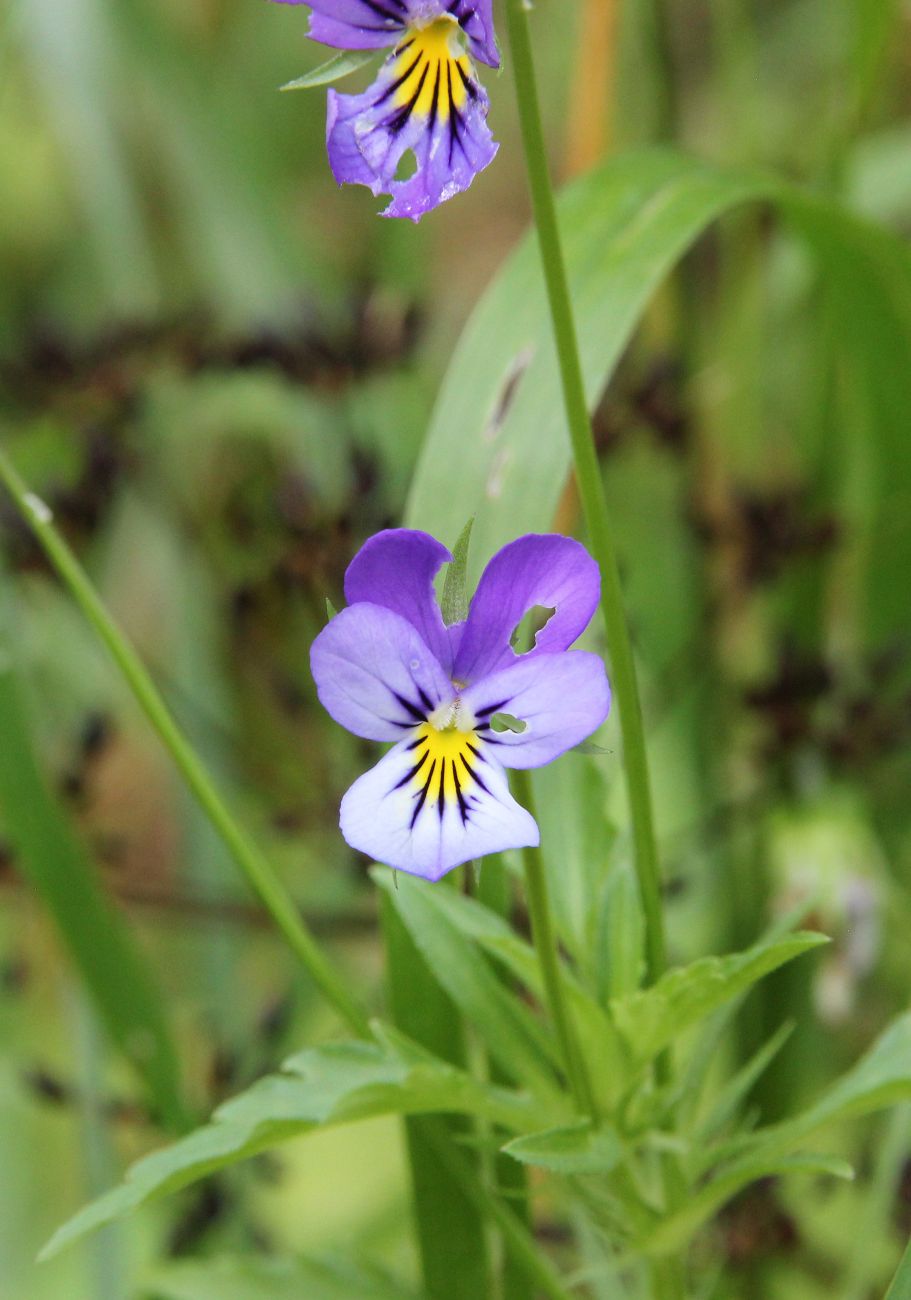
(401, 818)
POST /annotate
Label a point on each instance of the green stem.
(254, 865)
(591, 487)
(511, 1177)
(546, 946)
(519, 1239)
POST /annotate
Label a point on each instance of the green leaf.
(513, 1036)
(589, 747)
(881, 1078)
(334, 69)
(573, 1149)
(901, 1283)
(600, 1042)
(53, 861)
(243, 1278)
(506, 722)
(454, 601)
(450, 1228)
(625, 225)
(620, 945)
(674, 1233)
(335, 1084)
(734, 1092)
(577, 839)
(652, 1019)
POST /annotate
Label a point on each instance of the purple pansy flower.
(426, 99)
(389, 669)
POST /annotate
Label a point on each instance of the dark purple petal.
(476, 20)
(425, 103)
(538, 570)
(373, 24)
(396, 569)
(356, 24)
(399, 817)
(374, 674)
(561, 698)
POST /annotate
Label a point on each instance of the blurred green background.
(217, 369)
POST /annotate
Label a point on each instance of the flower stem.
(252, 862)
(545, 941)
(591, 487)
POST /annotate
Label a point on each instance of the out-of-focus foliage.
(218, 370)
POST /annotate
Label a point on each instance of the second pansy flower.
(426, 101)
(389, 669)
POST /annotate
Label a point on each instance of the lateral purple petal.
(475, 17)
(538, 570)
(396, 569)
(355, 24)
(384, 816)
(561, 698)
(374, 674)
(423, 104)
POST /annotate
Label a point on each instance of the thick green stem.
(254, 865)
(591, 487)
(546, 946)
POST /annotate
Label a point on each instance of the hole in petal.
(506, 722)
(525, 633)
(408, 165)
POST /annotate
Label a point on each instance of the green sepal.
(454, 602)
(334, 69)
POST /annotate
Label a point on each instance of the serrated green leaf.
(573, 1149)
(242, 1278)
(454, 601)
(650, 1020)
(334, 69)
(335, 1084)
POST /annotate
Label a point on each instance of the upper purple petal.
(396, 569)
(431, 107)
(374, 674)
(537, 570)
(562, 698)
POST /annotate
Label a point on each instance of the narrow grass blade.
(53, 861)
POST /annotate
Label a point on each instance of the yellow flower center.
(445, 766)
(431, 72)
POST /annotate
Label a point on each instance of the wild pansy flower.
(426, 99)
(389, 669)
